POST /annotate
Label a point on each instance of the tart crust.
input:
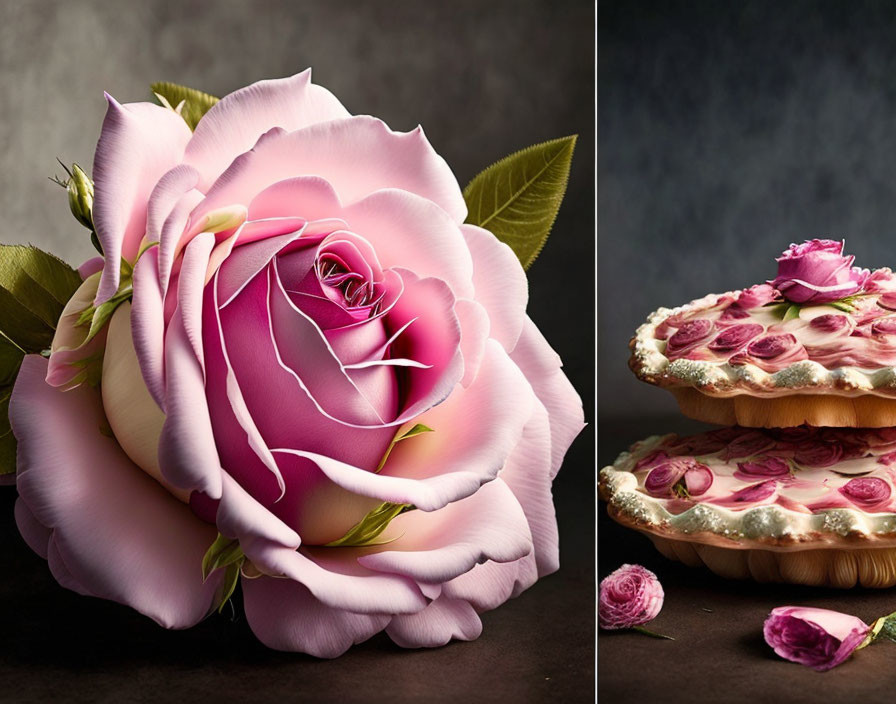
(840, 547)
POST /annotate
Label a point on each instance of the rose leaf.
(222, 553)
(517, 198)
(189, 103)
(34, 288)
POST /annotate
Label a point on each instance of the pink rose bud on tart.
(818, 638)
(818, 272)
(631, 596)
(812, 346)
(784, 513)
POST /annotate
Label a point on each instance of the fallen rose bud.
(629, 597)
(818, 638)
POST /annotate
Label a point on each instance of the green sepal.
(80, 196)
(228, 584)
(884, 627)
(792, 312)
(399, 436)
(189, 103)
(222, 553)
(843, 305)
(517, 198)
(369, 528)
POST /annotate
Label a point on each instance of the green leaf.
(369, 528)
(842, 305)
(792, 313)
(778, 309)
(228, 585)
(34, 288)
(222, 553)
(11, 356)
(7, 439)
(517, 198)
(399, 436)
(195, 102)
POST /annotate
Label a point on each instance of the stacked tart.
(800, 487)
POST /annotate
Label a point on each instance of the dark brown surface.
(719, 654)
(56, 646)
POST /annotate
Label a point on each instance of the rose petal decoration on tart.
(805, 505)
(816, 345)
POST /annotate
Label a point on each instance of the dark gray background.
(727, 131)
(484, 78)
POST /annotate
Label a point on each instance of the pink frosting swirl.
(757, 296)
(884, 326)
(818, 454)
(829, 323)
(867, 492)
(749, 443)
(818, 272)
(762, 467)
(735, 337)
(688, 336)
(753, 493)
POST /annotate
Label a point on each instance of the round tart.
(799, 505)
(814, 346)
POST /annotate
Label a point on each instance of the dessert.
(815, 346)
(802, 505)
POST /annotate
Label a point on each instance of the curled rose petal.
(757, 296)
(762, 467)
(818, 454)
(752, 494)
(884, 326)
(829, 323)
(735, 337)
(772, 346)
(747, 444)
(818, 638)
(867, 492)
(687, 336)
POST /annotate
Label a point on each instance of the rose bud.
(735, 337)
(762, 467)
(750, 443)
(688, 336)
(884, 326)
(816, 454)
(751, 494)
(757, 296)
(867, 492)
(818, 638)
(630, 596)
(817, 272)
(679, 475)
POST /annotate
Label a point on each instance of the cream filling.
(725, 380)
(744, 529)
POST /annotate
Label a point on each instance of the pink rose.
(757, 296)
(688, 336)
(818, 272)
(818, 454)
(313, 296)
(772, 352)
(818, 638)
(747, 444)
(685, 474)
(630, 596)
(762, 467)
(867, 492)
(735, 337)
